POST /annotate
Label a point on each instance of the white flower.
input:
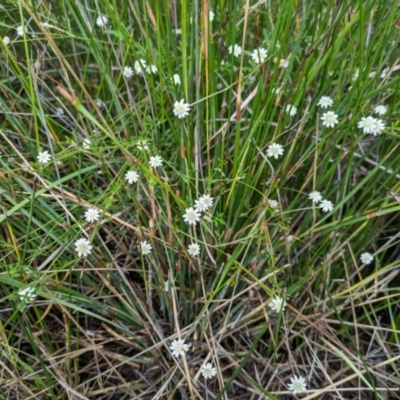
(277, 304)
(166, 285)
(297, 384)
(100, 103)
(44, 157)
(151, 69)
(329, 119)
(20, 30)
(381, 110)
(155, 161)
(176, 78)
(83, 247)
(203, 203)
(326, 205)
(259, 55)
(92, 215)
(384, 72)
(179, 348)
(273, 204)
(292, 110)
(127, 72)
(6, 40)
(371, 125)
(132, 176)
(139, 66)
(275, 150)
(316, 197)
(366, 258)
(142, 145)
(59, 112)
(181, 109)
(145, 248)
(191, 216)
(325, 102)
(208, 371)
(211, 16)
(236, 50)
(101, 20)
(86, 144)
(27, 294)
(194, 249)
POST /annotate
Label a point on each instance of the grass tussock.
(199, 189)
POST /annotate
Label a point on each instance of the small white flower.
(191, 216)
(127, 72)
(59, 112)
(92, 215)
(273, 204)
(291, 110)
(155, 161)
(381, 110)
(86, 144)
(27, 294)
(316, 197)
(329, 119)
(177, 79)
(275, 150)
(203, 203)
(236, 50)
(259, 55)
(194, 249)
(44, 157)
(151, 69)
(145, 248)
(83, 247)
(384, 72)
(100, 103)
(211, 15)
(131, 177)
(101, 21)
(6, 40)
(277, 304)
(181, 109)
(377, 127)
(142, 145)
(20, 30)
(366, 258)
(179, 348)
(166, 285)
(297, 384)
(325, 102)
(326, 205)
(140, 66)
(366, 124)
(208, 371)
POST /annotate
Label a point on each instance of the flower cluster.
(192, 215)
(325, 205)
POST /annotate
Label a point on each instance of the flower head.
(275, 150)
(20, 30)
(100, 103)
(83, 247)
(127, 72)
(378, 126)
(27, 294)
(155, 161)
(371, 125)
(329, 119)
(259, 55)
(325, 102)
(297, 384)
(86, 144)
(277, 304)
(177, 79)
(291, 110)
(44, 157)
(236, 50)
(145, 248)
(181, 109)
(326, 205)
(315, 196)
(366, 258)
(140, 66)
(179, 348)
(381, 110)
(208, 371)
(143, 145)
(204, 203)
(6, 40)
(92, 215)
(151, 69)
(101, 21)
(194, 249)
(132, 176)
(211, 16)
(191, 216)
